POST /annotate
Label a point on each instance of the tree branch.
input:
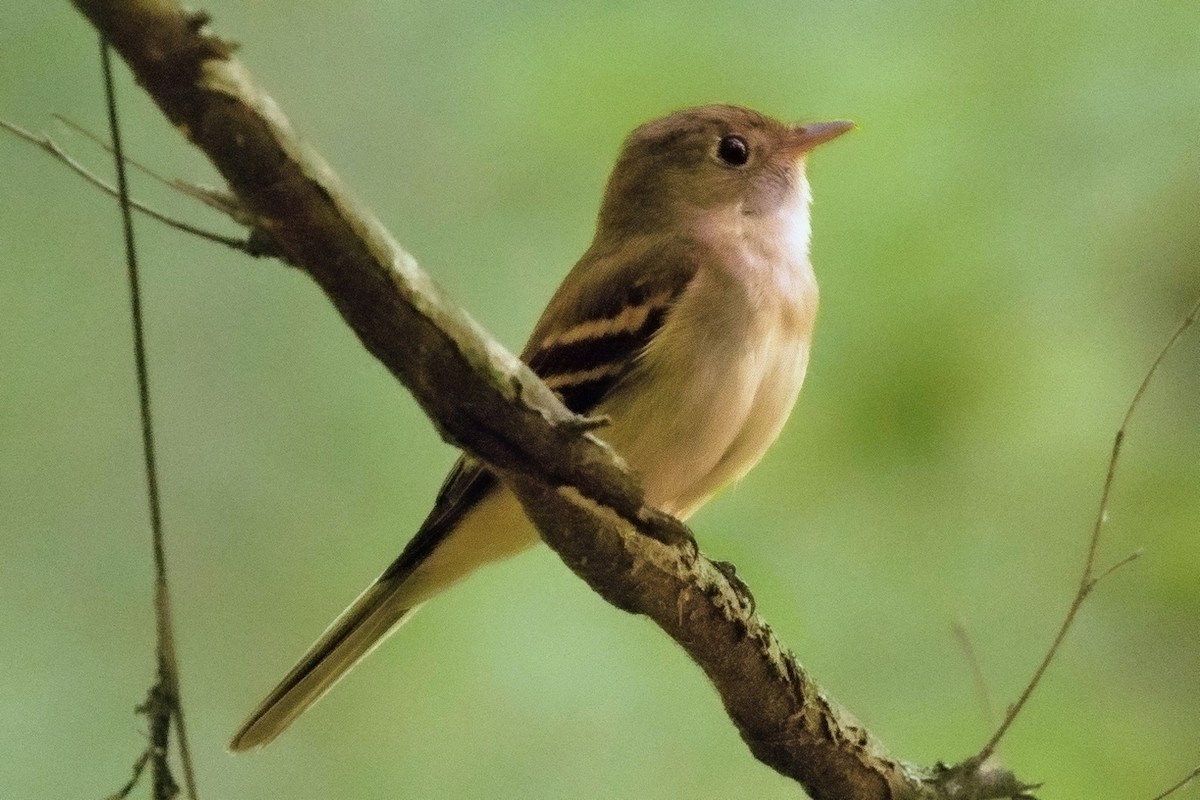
(585, 502)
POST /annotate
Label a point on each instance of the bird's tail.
(479, 526)
(377, 612)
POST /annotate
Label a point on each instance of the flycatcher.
(687, 323)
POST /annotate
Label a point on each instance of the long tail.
(471, 525)
(377, 612)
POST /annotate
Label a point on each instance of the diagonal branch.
(584, 501)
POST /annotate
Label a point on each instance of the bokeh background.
(1002, 248)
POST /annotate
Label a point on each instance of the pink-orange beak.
(806, 137)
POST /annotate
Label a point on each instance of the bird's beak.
(806, 137)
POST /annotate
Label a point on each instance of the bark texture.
(584, 501)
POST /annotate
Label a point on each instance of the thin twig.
(1089, 579)
(218, 200)
(138, 767)
(164, 703)
(50, 146)
(1191, 776)
(108, 148)
(981, 688)
(1129, 559)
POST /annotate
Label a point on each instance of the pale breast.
(716, 384)
(713, 389)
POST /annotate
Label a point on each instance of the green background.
(1002, 248)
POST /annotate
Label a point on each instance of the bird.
(687, 323)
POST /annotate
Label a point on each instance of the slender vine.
(163, 706)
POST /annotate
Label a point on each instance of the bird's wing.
(594, 330)
(587, 340)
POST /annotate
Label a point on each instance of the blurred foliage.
(1002, 248)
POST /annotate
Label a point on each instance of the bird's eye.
(733, 150)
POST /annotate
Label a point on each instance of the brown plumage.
(687, 322)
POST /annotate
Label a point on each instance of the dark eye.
(733, 150)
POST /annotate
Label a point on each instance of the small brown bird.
(687, 323)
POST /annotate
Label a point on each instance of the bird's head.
(715, 158)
